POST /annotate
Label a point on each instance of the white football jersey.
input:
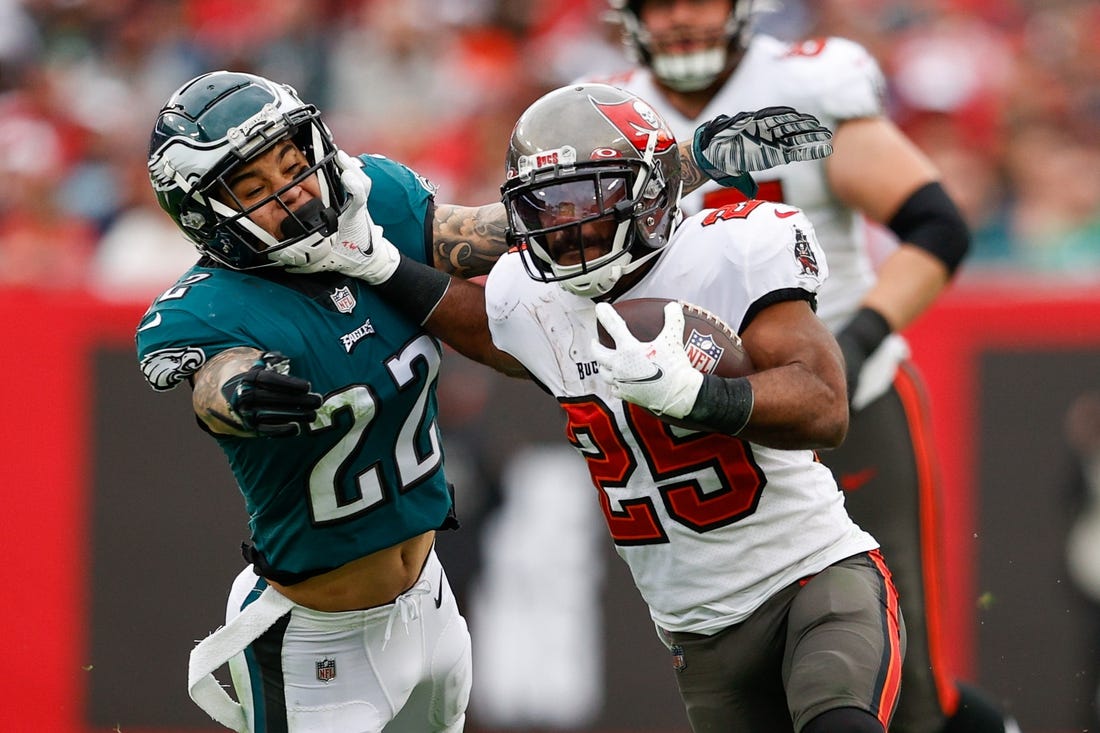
(833, 79)
(710, 525)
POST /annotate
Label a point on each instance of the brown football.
(712, 346)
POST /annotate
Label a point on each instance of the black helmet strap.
(312, 216)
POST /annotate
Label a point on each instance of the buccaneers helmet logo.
(639, 123)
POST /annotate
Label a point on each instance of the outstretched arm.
(459, 320)
(468, 240)
(448, 307)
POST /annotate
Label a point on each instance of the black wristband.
(724, 405)
(416, 288)
(867, 329)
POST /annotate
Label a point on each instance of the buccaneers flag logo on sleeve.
(804, 254)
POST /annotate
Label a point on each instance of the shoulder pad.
(846, 79)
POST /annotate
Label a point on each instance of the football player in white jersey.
(698, 59)
(778, 610)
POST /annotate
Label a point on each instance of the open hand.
(727, 147)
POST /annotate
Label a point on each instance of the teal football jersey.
(368, 472)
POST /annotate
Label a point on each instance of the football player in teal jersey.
(322, 396)
(323, 399)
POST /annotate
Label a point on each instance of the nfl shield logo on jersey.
(326, 670)
(703, 352)
(344, 300)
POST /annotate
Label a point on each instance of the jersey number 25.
(704, 480)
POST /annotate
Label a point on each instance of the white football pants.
(400, 668)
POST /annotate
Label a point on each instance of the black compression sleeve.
(930, 220)
(724, 405)
(416, 288)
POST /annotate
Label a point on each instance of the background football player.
(701, 58)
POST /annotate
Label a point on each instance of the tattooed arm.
(468, 240)
(246, 393)
(211, 406)
(690, 173)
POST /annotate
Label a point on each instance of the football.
(712, 346)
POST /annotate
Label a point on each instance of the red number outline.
(673, 461)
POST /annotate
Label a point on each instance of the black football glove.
(727, 148)
(270, 402)
(858, 340)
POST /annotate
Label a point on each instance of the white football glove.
(725, 148)
(358, 248)
(656, 375)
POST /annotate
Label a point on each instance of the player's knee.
(844, 720)
(977, 714)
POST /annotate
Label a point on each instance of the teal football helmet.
(211, 125)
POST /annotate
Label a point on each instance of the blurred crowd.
(1003, 94)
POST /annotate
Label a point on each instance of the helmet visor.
(572, 224)
(561, 203)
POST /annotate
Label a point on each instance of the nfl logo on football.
(326, 670)
(703, 353)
